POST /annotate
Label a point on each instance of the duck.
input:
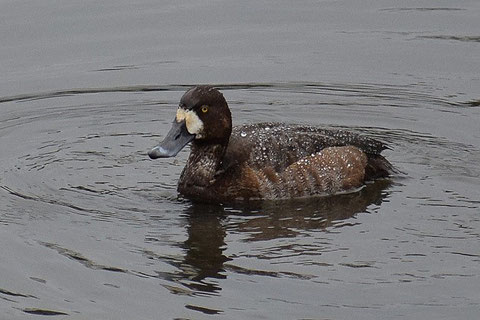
(264, 161)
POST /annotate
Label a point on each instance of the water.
(92, 229)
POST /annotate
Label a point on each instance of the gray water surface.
(91, 228)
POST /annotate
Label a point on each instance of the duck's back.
(282, 161)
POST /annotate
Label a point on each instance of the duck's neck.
(203, 162)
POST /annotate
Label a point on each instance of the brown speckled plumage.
(272, 160)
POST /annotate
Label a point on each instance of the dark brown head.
(203, 116)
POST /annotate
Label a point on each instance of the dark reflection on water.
(204, 247)
(207, 226)
(203, 259)
(290, 218)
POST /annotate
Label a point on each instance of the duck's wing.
(279, 145)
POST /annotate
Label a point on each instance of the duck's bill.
(177, 138)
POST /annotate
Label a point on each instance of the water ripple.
(383, 91)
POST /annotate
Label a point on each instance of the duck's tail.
(378, 167)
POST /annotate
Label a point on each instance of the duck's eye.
(204, 109)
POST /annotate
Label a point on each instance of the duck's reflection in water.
(281, 219)
(204, 247)
(204, 260)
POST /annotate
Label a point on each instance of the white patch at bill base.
(193, 122)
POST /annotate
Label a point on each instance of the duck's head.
(202, 116)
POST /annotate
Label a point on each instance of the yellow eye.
(204, 109)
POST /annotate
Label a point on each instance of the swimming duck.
(263, 160)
